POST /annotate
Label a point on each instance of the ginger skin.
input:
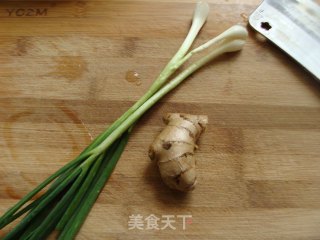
(173, 149)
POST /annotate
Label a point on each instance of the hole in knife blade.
(266, 26)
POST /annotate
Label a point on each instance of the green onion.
(76, 186)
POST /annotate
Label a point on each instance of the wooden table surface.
(63, 79)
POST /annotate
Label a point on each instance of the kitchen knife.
(294, 26)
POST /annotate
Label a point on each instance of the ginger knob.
(173, 149)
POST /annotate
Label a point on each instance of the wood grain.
(62, 81)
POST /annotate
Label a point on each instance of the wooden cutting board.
(70, 68)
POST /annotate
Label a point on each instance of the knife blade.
(294, 26)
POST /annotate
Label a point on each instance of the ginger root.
(173, 149)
